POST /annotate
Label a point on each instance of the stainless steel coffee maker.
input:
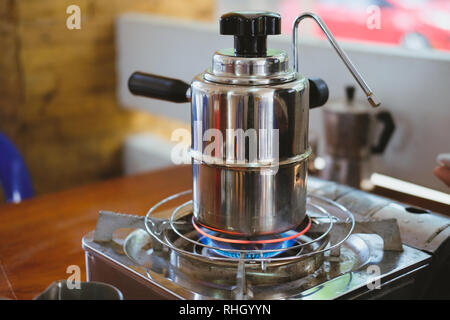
(250, 115)
(350, 130)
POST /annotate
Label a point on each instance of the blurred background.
(57, 86)
(58, 97)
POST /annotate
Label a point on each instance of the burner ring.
(238, 241)
(244, 252)
(161, 235)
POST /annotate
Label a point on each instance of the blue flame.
(249, 255)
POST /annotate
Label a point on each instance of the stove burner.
(224, 259)
(184, 237)
(270, 239)
(258, 249)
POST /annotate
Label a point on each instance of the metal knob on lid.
(250, 62)
(250, 31)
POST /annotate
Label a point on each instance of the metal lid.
(343, 107)
(232, 69)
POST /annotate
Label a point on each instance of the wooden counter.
(41, 237)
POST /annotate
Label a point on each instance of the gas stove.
(254, 226)
(351, 245)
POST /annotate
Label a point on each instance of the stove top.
(150, 275)
(333, 254)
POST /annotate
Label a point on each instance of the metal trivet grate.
(318, 211)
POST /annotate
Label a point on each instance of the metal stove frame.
(402, 273)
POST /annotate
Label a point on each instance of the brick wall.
(57, 86)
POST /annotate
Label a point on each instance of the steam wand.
(373, 100)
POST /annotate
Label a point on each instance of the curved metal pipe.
(373, 100)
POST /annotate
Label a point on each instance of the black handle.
(158, 87)
(250, 31)
(386, 119)
(318, 93)
(350, 94)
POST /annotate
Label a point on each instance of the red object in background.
(413, 24)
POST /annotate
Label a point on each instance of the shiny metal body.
(349, 127)
(352, 172)
(250, 144)
(250, 140)
(153, 276)
(249, 202)
(348, 130)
